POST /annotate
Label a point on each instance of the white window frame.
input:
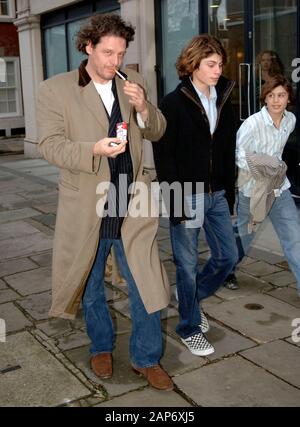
(11, 12)
(19, 106)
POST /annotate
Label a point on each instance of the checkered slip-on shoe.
(204, 325)
(231, 282)
(198, 345)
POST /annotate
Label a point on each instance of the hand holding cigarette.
(137, 97)
(109, 147)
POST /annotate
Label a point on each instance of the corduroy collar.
(84, 77)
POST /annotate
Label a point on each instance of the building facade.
(249, 29)
(11, 105)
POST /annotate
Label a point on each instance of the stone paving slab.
(51, 178)
(4, 175)
(147, 398)
(123, 307)
(31, 282)
(163, 233)
(2, 285)
(263, 255)
(13, 317)
(282, 278)
(17, 214)
(10, 200)
(261, 269)
(288, 295)
(41, 170)
(12, 186)
(26, 163)
(171, 271)
(74, 339)
(277, 357)
(215, 385)
(34, 243)
(8, 295)
(16, 230)
(225, 341)
(248, 286)
(37, 306)
(15, 266)
(213, 300)
(292, 340)
(246, 261)
(165, 245)
(271, 322)
(46, 207)
(177, 359)
(165, 256)
(46, 219)
(124, 379)
(41, 380)
(50, 195)
(206, 303)
(56, 327)
(45, 229)
(43, 260)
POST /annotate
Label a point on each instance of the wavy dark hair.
(198, 48)
(273, 83)
(100, 25)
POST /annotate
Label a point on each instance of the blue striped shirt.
(258, 134)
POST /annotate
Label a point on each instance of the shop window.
(59, 34)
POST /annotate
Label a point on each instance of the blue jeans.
(194, 284)
(146, 337)
(284, 217)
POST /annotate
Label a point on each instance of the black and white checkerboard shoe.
(198, 345)
(204, 323)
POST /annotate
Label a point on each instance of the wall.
(9, 45)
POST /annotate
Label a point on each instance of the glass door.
(227, 21)
(274, 40)
(260, 37)
(274, 49)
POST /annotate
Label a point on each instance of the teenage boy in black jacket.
(199, 147)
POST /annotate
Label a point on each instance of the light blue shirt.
(210, 105)
(259, 134)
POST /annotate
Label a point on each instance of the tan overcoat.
(71, 119)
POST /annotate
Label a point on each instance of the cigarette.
(120, 75)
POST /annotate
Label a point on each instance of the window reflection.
(179, 25)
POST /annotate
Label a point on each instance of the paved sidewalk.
(44, 362)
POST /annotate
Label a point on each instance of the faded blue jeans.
(193, 283)
(145, 346)
(284, 217)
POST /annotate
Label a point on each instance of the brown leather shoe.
(101, 365)
(156, 377)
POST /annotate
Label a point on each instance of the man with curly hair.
(78, 113)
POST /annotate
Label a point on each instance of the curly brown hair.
(100, 25)
(198, 48)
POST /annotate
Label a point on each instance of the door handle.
(248, 66)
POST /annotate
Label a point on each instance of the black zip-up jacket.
(188, 152)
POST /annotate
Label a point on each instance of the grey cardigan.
(269, 174)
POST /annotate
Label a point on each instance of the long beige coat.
(71, 119)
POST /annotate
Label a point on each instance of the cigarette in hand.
(120, 75)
